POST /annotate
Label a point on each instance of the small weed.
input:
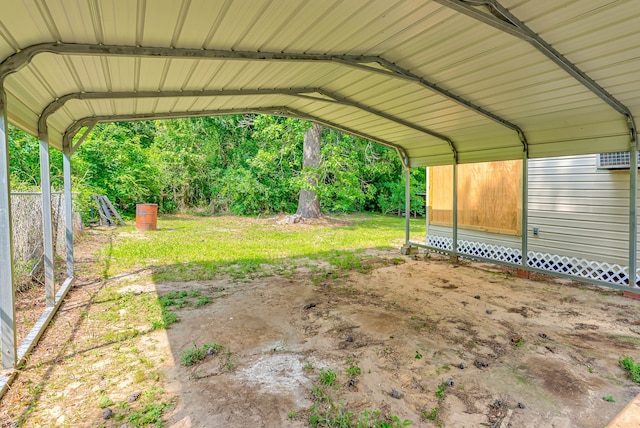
(327, 377)
(631, 366)
(292, 414)
(228, 362)
(203, 301)
(375, 419)
(609, 398)
(440, 391)
(139, 376)
(353, 371)
(149, 415)
(195, 354)
(418, 355)
(590, 369)
(307, 366)
(167, 318)
(396, 422)
(104, 402)
(432, 415)
(445, 368)
(520, 342)
(317, 394)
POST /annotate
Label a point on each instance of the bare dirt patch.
(480, 346)
(532, 368)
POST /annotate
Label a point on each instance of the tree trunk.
(309, 204)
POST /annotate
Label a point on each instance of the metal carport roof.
(441, 81)
(438, 80)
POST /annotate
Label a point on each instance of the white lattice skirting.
(581, 268)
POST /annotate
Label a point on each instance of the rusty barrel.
(146, 216)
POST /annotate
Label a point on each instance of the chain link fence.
(26, 220)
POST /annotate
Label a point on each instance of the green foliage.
(609, 398)
(327, 377)
(440, 391)
(373, 419)
(196, 354)
(418, 355)
(431, 415)
(243, 164)
(353, 371)
(631, 366)
(104, 402)
(149, 415)
(24, 168)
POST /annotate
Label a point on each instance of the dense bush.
(239, 164)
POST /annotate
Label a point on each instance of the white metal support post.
(633, 202)
(525, 210)
(454, 219)
(407, 204)
(47, 228)
(7, 286)
(426, 205)
(68, 212)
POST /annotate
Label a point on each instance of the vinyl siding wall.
(579, 210)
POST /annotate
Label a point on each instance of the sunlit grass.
(185, 248)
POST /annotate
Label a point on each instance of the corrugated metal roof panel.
(487, 71)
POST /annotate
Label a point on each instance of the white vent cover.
(615, 160)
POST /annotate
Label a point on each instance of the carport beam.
(7, 286)
(68, 213)
(633, 220)
(47, 229)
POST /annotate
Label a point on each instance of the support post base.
(522, 273)
(408, 250)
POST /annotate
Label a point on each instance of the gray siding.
(580, 211)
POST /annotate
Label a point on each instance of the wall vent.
(614, 160)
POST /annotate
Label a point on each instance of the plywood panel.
(489, 196)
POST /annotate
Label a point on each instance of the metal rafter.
(345, 100)
(58, 103)
(501, 18)
(284, 111)
(398, 72)
(331, 97)
(290, 112)
(18, 60)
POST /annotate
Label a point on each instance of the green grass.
(440, 391)
(630, 366)
(327, 377)
(196, 354)
(353, 371)
(431, 415)
(186, 248)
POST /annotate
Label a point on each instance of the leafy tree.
(24, 160)
(309, 201)
(243, 164)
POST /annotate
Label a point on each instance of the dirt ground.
(483, 347)
(550, 349)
